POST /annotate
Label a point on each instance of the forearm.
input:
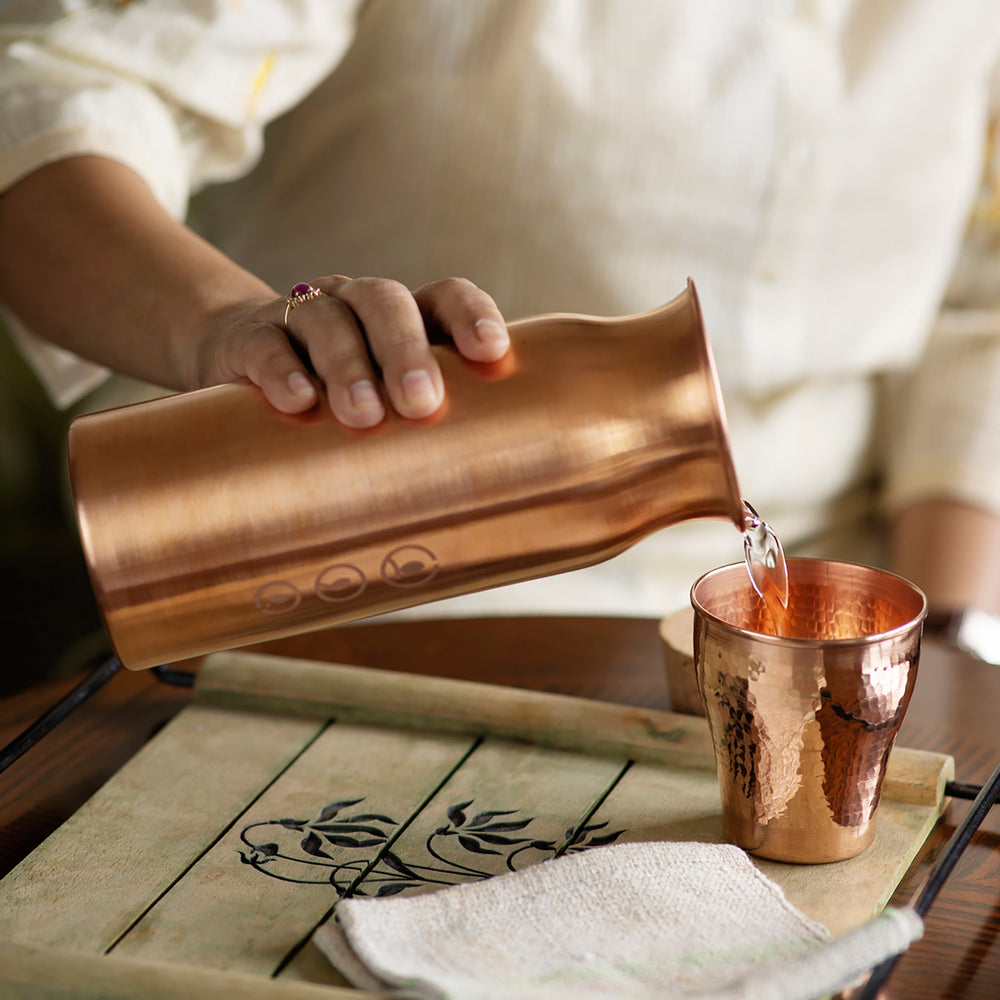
(90, 261)
(951, 551)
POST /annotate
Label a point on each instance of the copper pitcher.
(209, 520)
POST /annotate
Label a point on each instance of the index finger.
(468, 315)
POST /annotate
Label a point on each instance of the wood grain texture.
(394, 698)
(954, 710)
(94, 876)
(50, 782)
(226, 914)
(243, 827)
(656, 803)
(509, 806)
(32, 973)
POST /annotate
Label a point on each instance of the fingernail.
(364, 396)
(300, 385)
(489, 331)
(419, 388)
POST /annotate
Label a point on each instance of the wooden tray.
(202, 868)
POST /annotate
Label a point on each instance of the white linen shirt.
(812, 165)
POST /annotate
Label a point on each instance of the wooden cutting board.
(202, 868)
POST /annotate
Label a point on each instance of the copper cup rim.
(903, 585)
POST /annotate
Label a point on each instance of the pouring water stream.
(765, 561)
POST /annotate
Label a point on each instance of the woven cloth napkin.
(636, 920)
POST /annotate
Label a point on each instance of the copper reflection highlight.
(803, 722)
(209, 521)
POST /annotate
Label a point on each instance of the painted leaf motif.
(508, 826)
(456, 813)
(492, 838)
(581, 835)
(341, 841)
(331, 810)
(608, 838)
(311, 844)
(485, 817)
(373, 831)
(391, 890)
(393, 862)
(474, 846)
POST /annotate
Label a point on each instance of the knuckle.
(459, 286)
(258, 335)
(400, 351)
(267, 343)
(455, 298)
(371, 291)
(329, 308)
(264, 352)
(342, 361)
(339, 357)
(454, 288)
(312, 322)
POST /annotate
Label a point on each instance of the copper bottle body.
(210, 521)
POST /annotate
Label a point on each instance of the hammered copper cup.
(803, 722)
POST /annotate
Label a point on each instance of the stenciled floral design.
(312, 852)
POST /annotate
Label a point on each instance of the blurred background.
(49, 623)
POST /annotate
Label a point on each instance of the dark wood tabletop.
(955, 710)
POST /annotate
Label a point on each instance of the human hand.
(353, 323)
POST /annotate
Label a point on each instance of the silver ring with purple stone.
(302, 292)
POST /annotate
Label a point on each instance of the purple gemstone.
(301, 289)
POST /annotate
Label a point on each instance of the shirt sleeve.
(944, 418)
(178, 90)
